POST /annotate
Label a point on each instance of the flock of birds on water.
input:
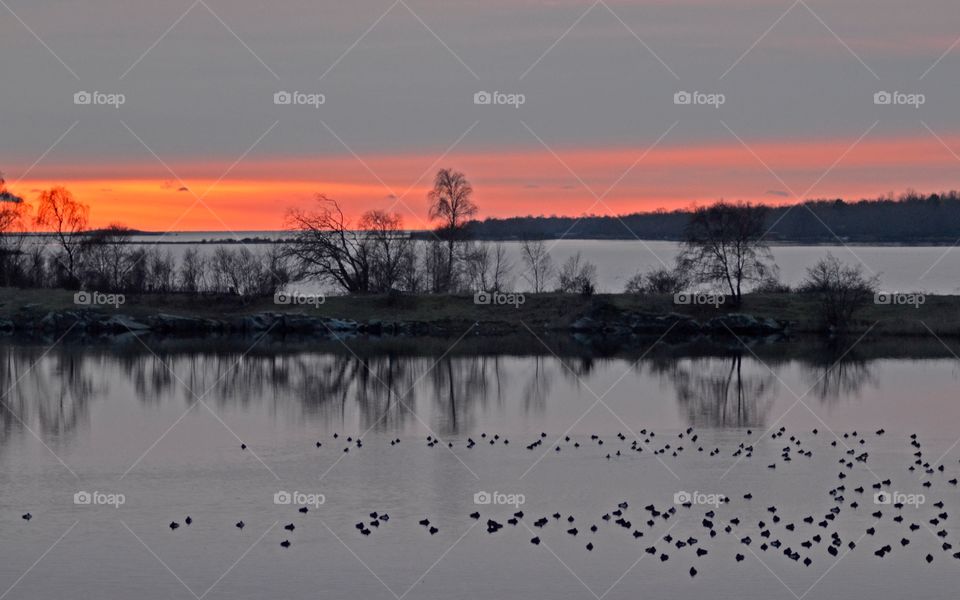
(819, 533)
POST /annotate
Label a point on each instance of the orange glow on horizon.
(516, 182)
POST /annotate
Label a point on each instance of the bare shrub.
(577, 276)
(841, 289)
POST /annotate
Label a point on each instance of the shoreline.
(41, 312)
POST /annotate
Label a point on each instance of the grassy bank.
(941, 314)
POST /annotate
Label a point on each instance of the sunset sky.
(199, 143)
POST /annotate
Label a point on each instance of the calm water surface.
(165, 430)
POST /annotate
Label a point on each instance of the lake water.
(162, 424)
(930, 269)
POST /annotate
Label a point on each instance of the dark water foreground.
(541, 426)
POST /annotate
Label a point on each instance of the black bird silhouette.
(239, 524)
(285, 543)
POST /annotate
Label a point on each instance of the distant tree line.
(909, 218)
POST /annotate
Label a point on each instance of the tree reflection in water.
(51, 392)
(48, 392)
(716, 392)
(834, 375)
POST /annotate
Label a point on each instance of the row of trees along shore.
(724, 246)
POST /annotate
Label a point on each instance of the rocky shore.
(598, 321)
(42, 313)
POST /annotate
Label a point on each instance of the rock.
(340, 325)
(178, 324)
(652, 323)
(743, 323)
(118, 324)
(586, 324)
(607, 319)
(60, 321)
(296, 323)
(258, 322)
